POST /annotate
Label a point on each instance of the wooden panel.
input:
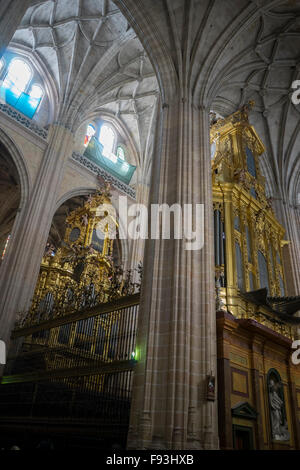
(239, 382)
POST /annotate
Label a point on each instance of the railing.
(75, 367)
(97, 170)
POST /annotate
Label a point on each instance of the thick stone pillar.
(11, 14)
(289, 217)
(176, 343)
(20, 267)
(137, 247)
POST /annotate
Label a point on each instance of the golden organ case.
(248, 237)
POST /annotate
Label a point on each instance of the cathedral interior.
(117, 339)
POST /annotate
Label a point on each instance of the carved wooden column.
(21, 264)
(176, 343)
(256, 354)
(11, 14)
(225, 326)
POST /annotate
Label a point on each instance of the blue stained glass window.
(17, 77)
(14, 86)
(120, 153)
(113, 164)
(250, 162)
(90, 132)
(239, 266)
(263, 271)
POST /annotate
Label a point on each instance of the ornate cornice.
(24, 121)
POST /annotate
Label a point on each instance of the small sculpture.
(49, 250)
(277, 411)
(84, 220)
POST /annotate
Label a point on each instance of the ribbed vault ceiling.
(224, 52)
(97, 64)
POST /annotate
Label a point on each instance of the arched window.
(35, 95)
(120, 153)
(107, 139)
(36, 92)
(17, 89)
(18, 76)
(90, 132)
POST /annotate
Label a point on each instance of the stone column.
(176, 342)
(289, 217)
(20, 267)
(136, 247)
(11, 14)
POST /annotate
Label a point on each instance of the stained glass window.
(120, 153)
(16, 91)
(90, 132)
(107, 139)
(17, 77)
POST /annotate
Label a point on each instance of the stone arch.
(138, 18)
(14, 192)
(20, 164)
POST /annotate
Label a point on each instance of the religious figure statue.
(277, 411)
